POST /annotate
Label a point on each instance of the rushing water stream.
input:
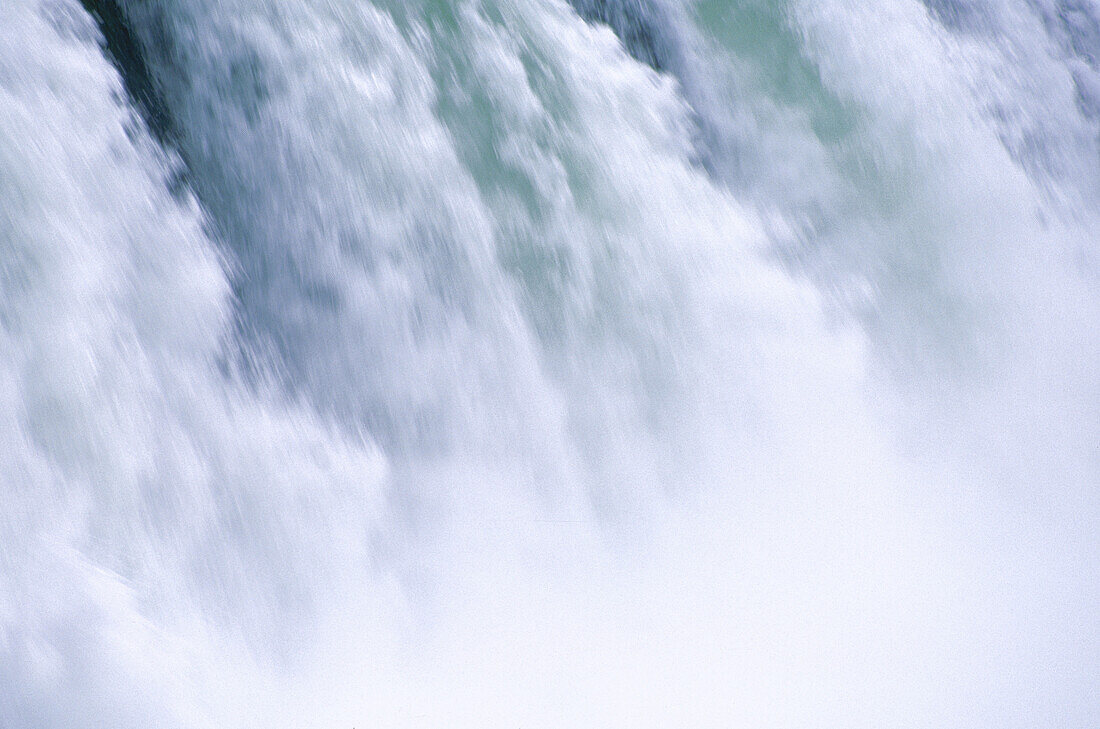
(533, 363)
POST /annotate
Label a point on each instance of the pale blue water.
(607, 363)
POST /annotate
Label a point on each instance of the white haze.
(445, 365)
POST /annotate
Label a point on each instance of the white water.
(442, 364)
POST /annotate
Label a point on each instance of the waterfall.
(605, 363)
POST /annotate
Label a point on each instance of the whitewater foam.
(474, 364)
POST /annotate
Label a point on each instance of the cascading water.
(604, 363)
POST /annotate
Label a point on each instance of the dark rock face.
(638, 23)
(126, 53)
